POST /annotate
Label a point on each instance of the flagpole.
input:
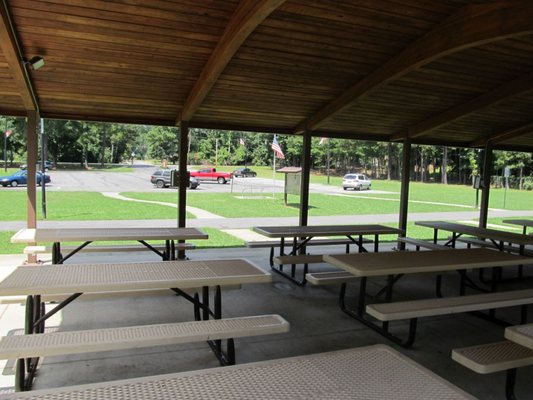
(273, 169)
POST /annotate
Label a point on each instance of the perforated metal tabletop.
(90, 278)
(365, 373)
(521, 334)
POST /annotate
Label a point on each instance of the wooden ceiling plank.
(248, 15)
(520, 85)
(503, 136)
(471, 27)
(11, 52)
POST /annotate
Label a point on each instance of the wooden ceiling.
(450, 72)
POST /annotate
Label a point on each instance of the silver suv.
(356, 182)
(161, 179)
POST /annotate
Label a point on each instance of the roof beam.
(246, 18)
(503, 136)
(13, 56)
(509, 89)
(471, 26)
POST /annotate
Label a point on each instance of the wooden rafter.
(11, 52)
(503, 136)
(248, 15)
(520, 85)
(471, 26)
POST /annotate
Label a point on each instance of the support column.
(304, 188)
(485, 185)
(404, 191)
(184, 179)
(31, 165)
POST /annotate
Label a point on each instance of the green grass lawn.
(80, 206)
(72, 206)
(231, 206)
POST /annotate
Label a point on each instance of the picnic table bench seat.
(472, 241)
(116, 248)
(25, 348)
(495, 357)
(109, 339)
(328, 277)
(449, 305)
(419, 243)
(315, 242)
(414, 309)
(299, 259)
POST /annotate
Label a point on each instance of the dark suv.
(161, 179)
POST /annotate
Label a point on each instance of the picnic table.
(89, 235)
(376, 372)
(521, 334)
(303, 235)
(397, 264)
(496, 237)
(106, 278)
(524, 223)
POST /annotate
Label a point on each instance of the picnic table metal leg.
(279, 268)
(510, 381)
(359, 315)
(56, 253)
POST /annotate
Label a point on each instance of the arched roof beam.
(13, 55)
(248, 15)
(503, 136)
(520, 85)
(472, 26)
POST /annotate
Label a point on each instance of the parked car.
(47, 165)
(161, 179)
(356, 182)
(211, 174)
(244, 172)
(21, 178)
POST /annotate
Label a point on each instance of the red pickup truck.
(211, 174)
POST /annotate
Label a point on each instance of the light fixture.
(35, 63)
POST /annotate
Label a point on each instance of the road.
(139, 181)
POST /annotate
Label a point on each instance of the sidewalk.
(243, 223)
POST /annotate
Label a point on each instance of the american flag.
(277, 149)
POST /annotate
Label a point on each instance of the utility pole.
(216, 152)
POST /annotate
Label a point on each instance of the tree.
(163, 143)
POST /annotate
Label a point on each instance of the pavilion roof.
(447, 72)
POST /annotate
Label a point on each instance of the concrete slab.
(317, 325)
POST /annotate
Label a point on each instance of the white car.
(356, 182)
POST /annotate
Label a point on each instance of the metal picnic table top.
(48, 235)
(112, 277)
(325, 230)
(521, 334)
(492, 234)
(371, 372)
(381, 264)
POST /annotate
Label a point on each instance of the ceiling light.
(35, 63)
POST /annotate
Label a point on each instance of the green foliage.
(91, 142)
(163, 143)
(82, 206)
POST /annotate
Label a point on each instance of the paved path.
(197, 212)
(240, 223)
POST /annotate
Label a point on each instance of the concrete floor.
(317, 325)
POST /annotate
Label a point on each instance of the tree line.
(91, 142)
